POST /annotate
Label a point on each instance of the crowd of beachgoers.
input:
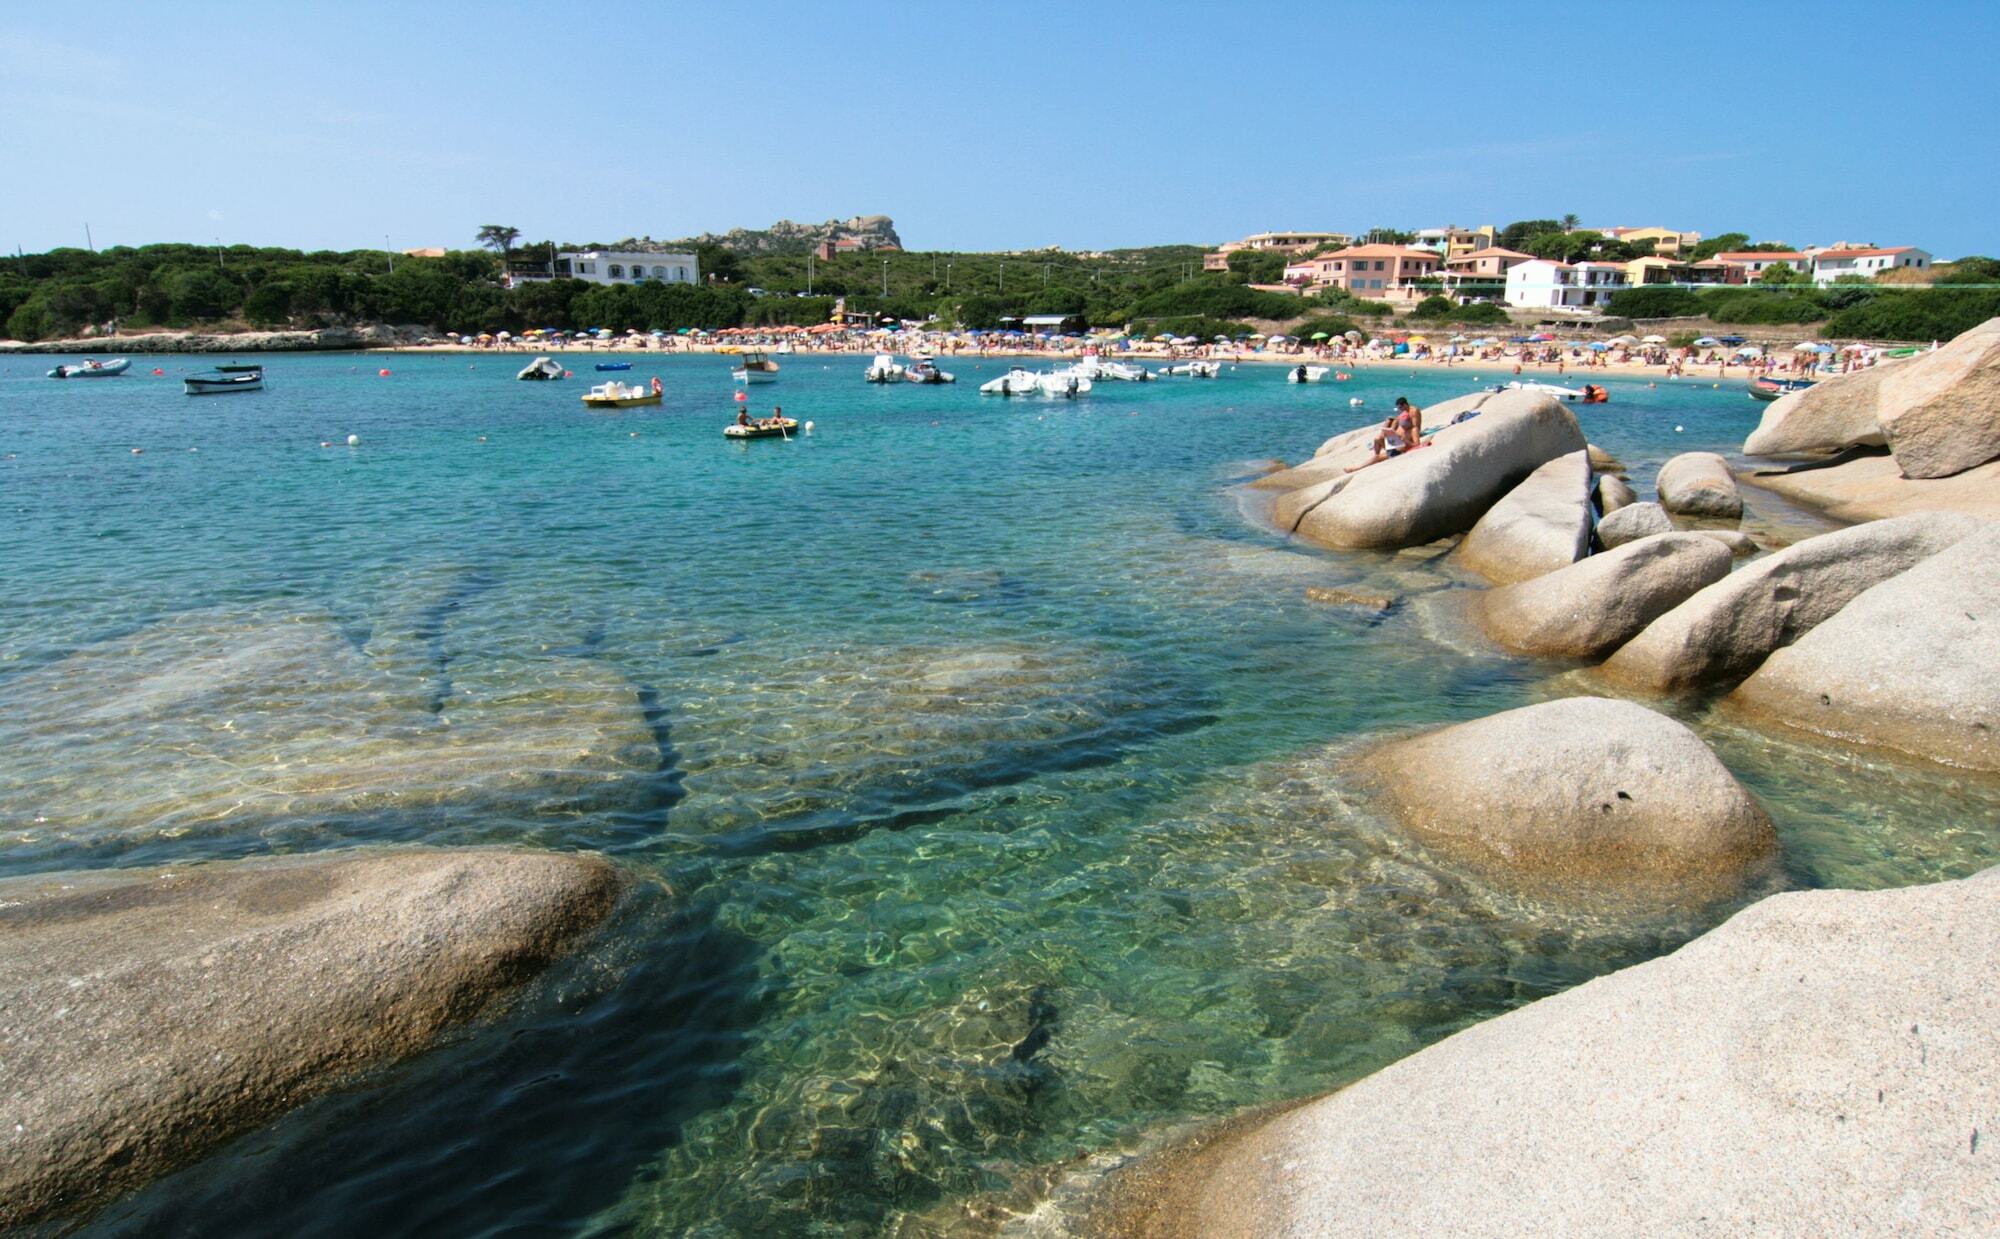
(1541, 351)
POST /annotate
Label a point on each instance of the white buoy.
(1354, 402)
(354, 440)
(1677, 429)
(809, 427)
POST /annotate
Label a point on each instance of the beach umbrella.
(505, 335)
(1654, 340)
(1223, 339)
(1354, 336)
(1624, 339)
(451, 335)
(1707, 342)
(1541, 337)
(1256, 335)
(1319, 335)
(1597, 346)
(1857, 347)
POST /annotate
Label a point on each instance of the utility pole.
(809, 273)
(885, 277)
(392, 254)
(1045, 275)
(218, 253)
(91, 244)
(1003, 275)
(947, 273)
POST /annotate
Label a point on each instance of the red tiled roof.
(1761, 256)
(1382, 251)
(1899, 249)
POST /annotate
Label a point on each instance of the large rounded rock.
(1613, 493)
(1631, 523)
(1830, 416)
(1541, 525)
(1726, 631)
(1442, 488)
(1911, 664)
(1699, 484)
(1822, 1064)
(1591, 608)
(1941, 412)
(1580, 792)
(148, 1015)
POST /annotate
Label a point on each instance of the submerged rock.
(1822, 1063)
(1592, 607)
(1726, 631)
(1442, 488)
(1699, 484)
(1941, 411)
(1539, 526)
(148, 1015)
(1911, 664)
(1579, 792)
(1631, 522)
(1339, 597)
(233, 717)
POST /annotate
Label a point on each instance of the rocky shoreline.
(325, 340)
(1822, 1061)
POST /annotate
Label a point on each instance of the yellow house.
(1666, 242)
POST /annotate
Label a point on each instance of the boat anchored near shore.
(228, 377)
(92, 369)
(616, 395)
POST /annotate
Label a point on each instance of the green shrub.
(1756, 306)
(1654, 301)
(1434, 306)
(1916, 315)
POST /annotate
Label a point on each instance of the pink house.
(1379, 272)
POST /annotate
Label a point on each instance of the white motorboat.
(225, 379)
(92, 369)
(1016, 382)
(1307, 374)
(756, 368)
(1589, 393)
(1194, 369)
(924, 370)
(1069, 385)
(541, 368)
(884, 369)
(1121, 371)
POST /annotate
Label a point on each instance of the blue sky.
(994, 126)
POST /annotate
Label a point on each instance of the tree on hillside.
(1570, 222)
(1782, 273)
(1258, 266)
(499, 238)
(1516, 234)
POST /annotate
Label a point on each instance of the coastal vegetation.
(1858, 309)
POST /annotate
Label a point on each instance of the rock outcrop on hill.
(1726, 631)
(1593, 606)
(786, 237)
(148, 1015)
(1911, 664)
(1823, 1063)
(1581, 792)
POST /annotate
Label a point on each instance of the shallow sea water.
(985, 755)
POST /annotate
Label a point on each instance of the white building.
(617, 267)
(1542, 283)
(1830, 265)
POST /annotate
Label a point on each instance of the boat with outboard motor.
(228, 377)
(1308, 374)
(542, 368)
(92, 369)
(924, 370)
(884, 369)
(1772, 388)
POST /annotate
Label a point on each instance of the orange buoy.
(742, 397)
(383, 372)
(157, 370)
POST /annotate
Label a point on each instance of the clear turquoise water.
(984, 749)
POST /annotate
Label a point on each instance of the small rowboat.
(240, 367)
(1771, 389)
(219, 382)
(614, 365)
(762, 430)
(615, 395)
(92, 369)
(756, 368)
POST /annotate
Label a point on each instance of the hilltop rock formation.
(787, 237)
(1726, 631)
(1581, 792)
(1539, 526)
(147, 1016)
(1911, 664)
(1593, 606)
(1823, 1063)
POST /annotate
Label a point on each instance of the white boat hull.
(742, 375)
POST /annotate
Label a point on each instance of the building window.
(616, 272)
(659, 273)
(1378, 267)
(586, 268)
